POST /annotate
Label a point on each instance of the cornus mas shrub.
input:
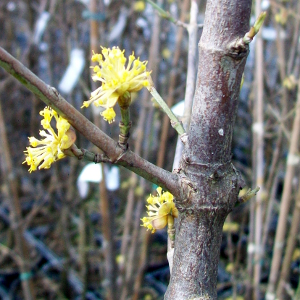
(202, 191)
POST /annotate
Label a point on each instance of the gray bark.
(209, 182)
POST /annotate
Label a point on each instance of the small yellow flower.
(161, 210)
(116, 79)
(108, 115)
(139, 6)
(44, 152)
(231, 227)
(290, 82)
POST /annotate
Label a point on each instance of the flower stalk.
(125, 124)
(171, 230)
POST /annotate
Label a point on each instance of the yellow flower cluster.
(50, 149)
(116, 79)
(161, 210)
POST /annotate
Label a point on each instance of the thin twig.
(259, 159)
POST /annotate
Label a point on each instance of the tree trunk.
(210, 184)
(206, 185)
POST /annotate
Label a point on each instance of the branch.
(111, 149)
(240, 44)
(216, 96)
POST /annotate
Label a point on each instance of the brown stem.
(142, 265)
(107, 225)
(82, 250)
(259, 153)
(286, 265)
(132, 263)
(271, 202)
(126, 235)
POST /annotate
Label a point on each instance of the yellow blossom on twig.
(161, 210)
(44, 152)
(116, 79)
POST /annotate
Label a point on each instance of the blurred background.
(73, 231)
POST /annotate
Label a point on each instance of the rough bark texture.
(210, 183)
